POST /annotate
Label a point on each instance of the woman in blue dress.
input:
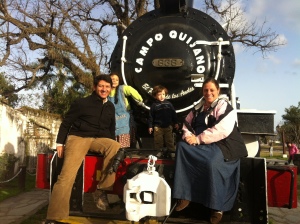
(119, 96)
(208, 160)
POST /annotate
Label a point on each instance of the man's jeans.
(75, 150)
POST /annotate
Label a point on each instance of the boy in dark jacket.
(162, 117)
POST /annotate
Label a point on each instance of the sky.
(272, 83)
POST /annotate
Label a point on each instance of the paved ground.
(16, 209)
(284, 215)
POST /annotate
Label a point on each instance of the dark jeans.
(164, 136)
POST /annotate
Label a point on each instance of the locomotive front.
(177, 47)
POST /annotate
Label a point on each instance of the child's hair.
(157, 89)
(116, 98)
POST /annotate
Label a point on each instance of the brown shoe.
(215, 216)
(54, 222)
(101, 200)
(181, 204)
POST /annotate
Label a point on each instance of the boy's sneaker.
(101, 200)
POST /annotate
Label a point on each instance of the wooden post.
(281, 130)
(283, 143)
(22, 178)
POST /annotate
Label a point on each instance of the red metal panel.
(282, 186)
(92, 172)
(42, 171)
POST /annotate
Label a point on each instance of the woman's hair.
(157, 89)
(105, 78)
(211, 79)
(117, 88)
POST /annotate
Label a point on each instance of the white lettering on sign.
(182, 36)
(190, 41)
(200, 68)
(158, 37)
(140, 61)
(197, 51)
(149, 42)
(185, 92)
(173, 34)
(149, 89)
(138, 70)
(144, 51)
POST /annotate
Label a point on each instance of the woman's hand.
(192, 140)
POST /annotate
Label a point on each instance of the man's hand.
(150, 130)
(60, 151)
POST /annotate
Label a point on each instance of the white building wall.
(13, 126)
(27, 132)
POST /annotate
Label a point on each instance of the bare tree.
(38, 36)
(250, 34)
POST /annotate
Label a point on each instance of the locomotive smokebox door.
(177, 50)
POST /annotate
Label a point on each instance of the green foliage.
(292, 114)
(12, 188)
(60, 90)
(7, 162)
(291, 125)
(7, 91)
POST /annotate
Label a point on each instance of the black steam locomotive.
(178, 47)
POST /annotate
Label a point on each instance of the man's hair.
(157, 89)
(105, 78)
